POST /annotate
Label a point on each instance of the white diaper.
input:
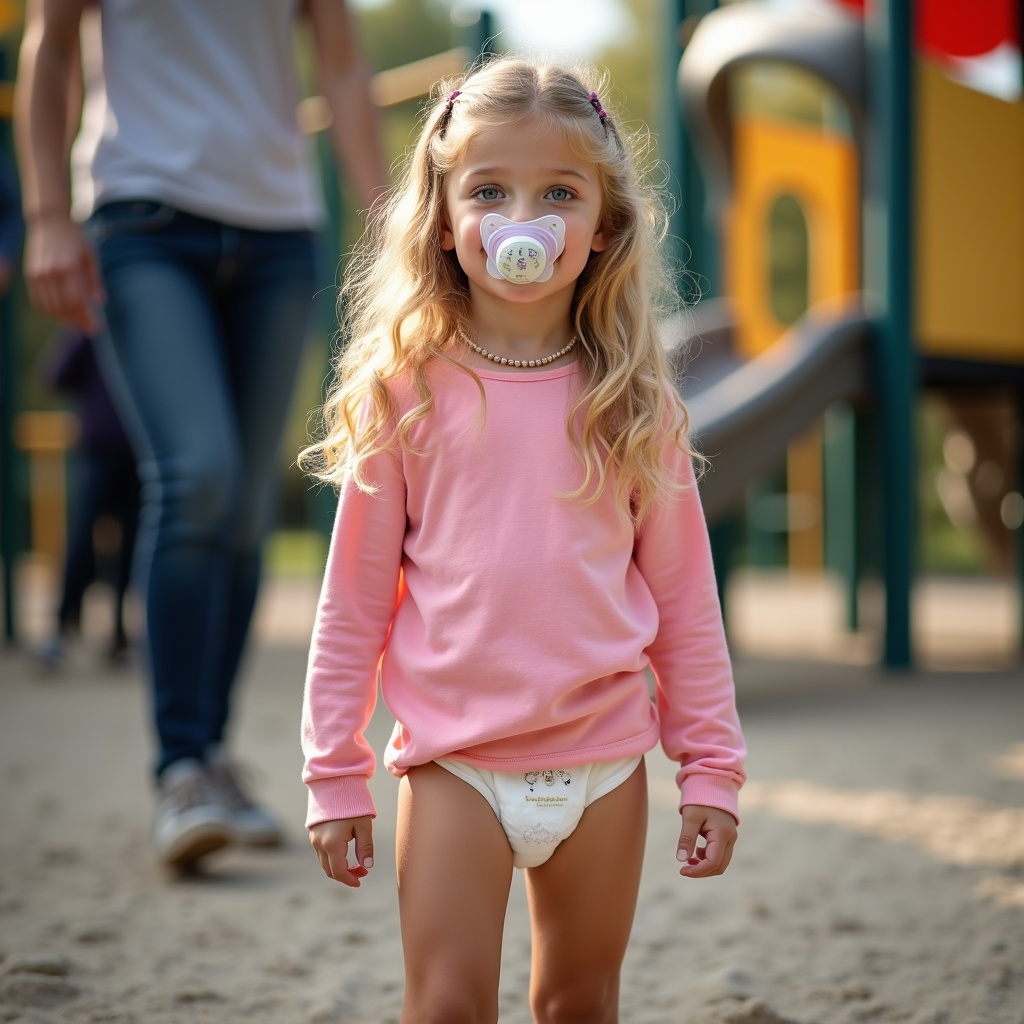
(539, 809)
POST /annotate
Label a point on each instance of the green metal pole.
(693, 235)
(692, 223)
(480, 34)
(889, 274)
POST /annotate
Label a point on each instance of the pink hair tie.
(446, 114)
(596, 104)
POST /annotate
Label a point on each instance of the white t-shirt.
(193, 103)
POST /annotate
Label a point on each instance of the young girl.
(519, 537)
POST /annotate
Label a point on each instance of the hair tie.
(446, 114)
(596, 104)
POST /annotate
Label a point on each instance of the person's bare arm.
(343, 78)
(60, 267)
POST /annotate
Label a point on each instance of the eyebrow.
(554, 172)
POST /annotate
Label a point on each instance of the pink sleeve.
(357, 603)
(700, 729)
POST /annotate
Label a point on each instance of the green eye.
(560, 194)
(488, 193)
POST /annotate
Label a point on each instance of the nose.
(522, 210)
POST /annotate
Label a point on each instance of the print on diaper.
(540, 835)
(548, 777)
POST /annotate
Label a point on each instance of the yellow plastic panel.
(819, 169)
(969, 221)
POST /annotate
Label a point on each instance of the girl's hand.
(718, 828)
(330, 839)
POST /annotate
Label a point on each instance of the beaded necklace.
(506, 361)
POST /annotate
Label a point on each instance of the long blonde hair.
(406, 301)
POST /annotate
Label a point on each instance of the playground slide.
(744, 412)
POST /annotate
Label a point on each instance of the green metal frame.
(695, 240)
(888, 273)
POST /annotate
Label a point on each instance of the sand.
(879, 874)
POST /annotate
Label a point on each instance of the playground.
(848, 189)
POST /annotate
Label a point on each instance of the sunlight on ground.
(966, 624)
(1010, 763)
(953, 829)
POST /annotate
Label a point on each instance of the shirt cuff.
(711, 791)
(343, 796)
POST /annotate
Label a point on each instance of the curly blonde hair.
(406, 301)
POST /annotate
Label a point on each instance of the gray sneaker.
(252, 825)
(191, 821)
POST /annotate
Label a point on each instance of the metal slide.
(744, 412)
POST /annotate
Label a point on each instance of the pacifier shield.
(522, 252)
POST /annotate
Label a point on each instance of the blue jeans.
(205, 328)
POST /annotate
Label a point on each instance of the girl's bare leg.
(454, 874)
(582, 903)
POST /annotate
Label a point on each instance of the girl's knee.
(579, 1001)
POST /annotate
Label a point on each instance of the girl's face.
(522, 171)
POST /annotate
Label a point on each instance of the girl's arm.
(700, 729)
(61, 272)
(357, 603)
(344, 81)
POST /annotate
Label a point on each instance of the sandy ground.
(879, 874)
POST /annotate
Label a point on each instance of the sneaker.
(252, 825)
(191, 822)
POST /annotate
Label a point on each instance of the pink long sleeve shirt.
(520, 636)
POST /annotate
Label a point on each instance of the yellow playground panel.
(969, 222)
(819, 170)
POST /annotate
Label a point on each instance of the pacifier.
(522, 251)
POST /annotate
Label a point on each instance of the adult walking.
(183, 236)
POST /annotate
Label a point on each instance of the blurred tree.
(402, 31)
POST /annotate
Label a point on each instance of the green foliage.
(296, 553)
(402, 31)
